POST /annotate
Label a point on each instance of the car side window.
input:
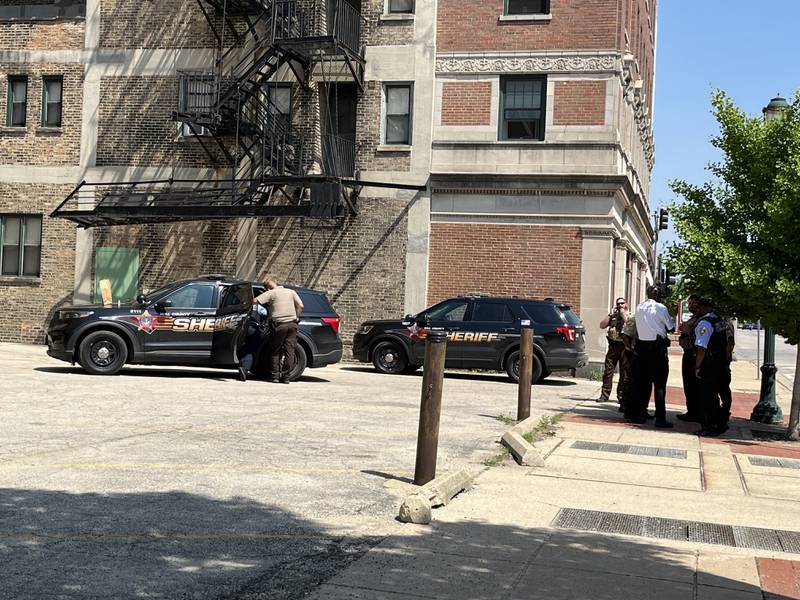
(543, 313)
(494, 312)
(194, 295)
(449, 311)
(236, 296)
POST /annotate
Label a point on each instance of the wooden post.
(430, 407)
(525, 372)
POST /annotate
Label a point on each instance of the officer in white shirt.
(651, 369)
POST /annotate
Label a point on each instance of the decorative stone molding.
(532, 64)
(636, 98)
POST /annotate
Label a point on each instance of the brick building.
(501, 146)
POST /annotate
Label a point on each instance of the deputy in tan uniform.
(284, 306)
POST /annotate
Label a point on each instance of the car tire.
(512, 367)
(411, 369)
(300, 363)
(102, 353)
(388, 357)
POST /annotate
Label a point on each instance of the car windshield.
(162, 291)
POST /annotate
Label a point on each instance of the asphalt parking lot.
(181, 483)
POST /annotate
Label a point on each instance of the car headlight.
(74, 314)
(365, 329)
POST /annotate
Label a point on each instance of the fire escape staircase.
(232, 117)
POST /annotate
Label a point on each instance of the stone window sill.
(12, 280)
(512, 18)
(394, 148)
(14, 130)
(50, 130)
(397, 17)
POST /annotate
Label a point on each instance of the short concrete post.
(525, 372)
(430, 407)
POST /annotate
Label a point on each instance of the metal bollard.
(525, 372)
(430, 407)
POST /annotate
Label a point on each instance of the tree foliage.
(740, 232)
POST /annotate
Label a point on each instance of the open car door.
(235, 303)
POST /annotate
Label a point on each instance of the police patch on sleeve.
(702, 330)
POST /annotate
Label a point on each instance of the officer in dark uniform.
(725, 395)
(694, 412)
(711, 341)
(253, 340)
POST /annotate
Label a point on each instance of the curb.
(417, 507)
(524, 452)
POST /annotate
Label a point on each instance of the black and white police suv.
(482, 333)
(192, 322)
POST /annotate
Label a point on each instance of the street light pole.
(767, 409)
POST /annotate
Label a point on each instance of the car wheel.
(389, 357)
(512, 367)
(102, 353)
(300, 363)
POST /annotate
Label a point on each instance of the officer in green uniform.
(711, 342)
(614, 323)
(629, 338)
(693, 412)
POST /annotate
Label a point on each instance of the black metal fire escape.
(274, 170)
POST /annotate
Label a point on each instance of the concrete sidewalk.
(619, 511)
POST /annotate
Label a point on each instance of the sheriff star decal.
(148, 323)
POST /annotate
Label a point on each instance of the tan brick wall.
(173, 251)
(466, 103)
(384, 33)
(43, 35)
(135, 126)
(471, 25)
(28, 304)
(32, 144)
(579, 103)
(154, 24)
(360, 263)
(368, 135)
(532, 261)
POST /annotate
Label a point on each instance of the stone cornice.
(577, 63)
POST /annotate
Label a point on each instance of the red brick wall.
(534, 261)
(638, 20)
(467, 103)
(579, 103)
(465, 25)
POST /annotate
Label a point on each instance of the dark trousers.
(709, 384)
(626, 367)
(725, 394)
(651, 371)
(282, 342)
(615, 355)
(690, 384)
(252, 344)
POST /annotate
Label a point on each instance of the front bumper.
(360, 348)
(56, 347)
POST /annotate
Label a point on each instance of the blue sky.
(749, 49)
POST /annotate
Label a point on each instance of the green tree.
(741, 231)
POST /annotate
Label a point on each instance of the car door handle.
(507, 330)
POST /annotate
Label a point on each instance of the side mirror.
(162, 305)
(141, 299)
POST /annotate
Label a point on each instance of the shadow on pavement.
(391, 476)
(179, 545)
(497, 376)
(222, 375)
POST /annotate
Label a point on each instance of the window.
(51, 101)
(495, 312)
(449, 311)
(543, 313)
(279, 105)
(237, 296)
(398, 114)
(523, 108)
(401, 6)
(527, 7)
(17, 101)
(20, 245)
(44, 10)
(200, 295)
(196, 96)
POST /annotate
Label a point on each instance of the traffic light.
(663, 219)
(670, 279)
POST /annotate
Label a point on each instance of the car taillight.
(568, 333)
(333, 322)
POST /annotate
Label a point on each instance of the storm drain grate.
(628, 449)
(768, 461)
(673, 529)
